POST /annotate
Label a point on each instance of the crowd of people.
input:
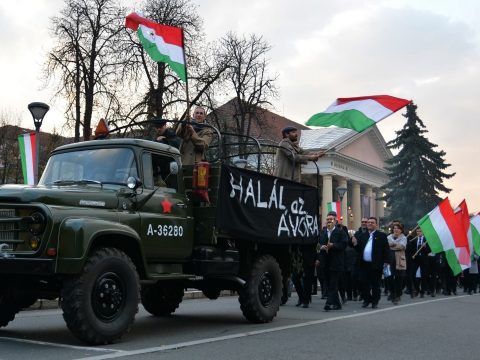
(363, 265)
(344, 266)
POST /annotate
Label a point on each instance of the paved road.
(429, 328)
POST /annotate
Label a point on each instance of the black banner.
(265, 208)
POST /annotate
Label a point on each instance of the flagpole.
(187, 114)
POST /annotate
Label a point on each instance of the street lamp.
(38, 111)
(341, 192)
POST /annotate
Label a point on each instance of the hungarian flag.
(443, 231)
(335, 206)
(475, 232)
(28, 155)
(358, 113)
(464, 218)
(162, 42)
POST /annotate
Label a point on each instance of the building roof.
(324, 138)
(265, 125)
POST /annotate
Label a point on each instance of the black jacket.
(334, 259)
(380, 249)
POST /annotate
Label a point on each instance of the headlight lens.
(37, 226)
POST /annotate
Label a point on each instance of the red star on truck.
(167, 206)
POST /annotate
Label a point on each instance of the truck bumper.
(12, 265)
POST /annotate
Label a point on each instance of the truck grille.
(7, 231)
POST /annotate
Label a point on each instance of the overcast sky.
(425, 50)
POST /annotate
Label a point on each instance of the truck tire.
(261, 295)
(100, 304)
(160, 299)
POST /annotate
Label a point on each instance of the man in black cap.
(165, 134)
(290, 156)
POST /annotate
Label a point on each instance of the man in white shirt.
(374, 251)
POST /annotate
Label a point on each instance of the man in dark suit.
(333, 241)
(374, 253)
(419, 250)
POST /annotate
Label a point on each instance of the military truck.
(120, 221)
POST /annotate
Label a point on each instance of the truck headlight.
(37, 225)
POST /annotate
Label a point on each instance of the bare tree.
(249, 79)
(9, 151)
(86, 64)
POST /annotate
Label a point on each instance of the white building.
(355, 161)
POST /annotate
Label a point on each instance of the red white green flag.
(443, 232)
(162, 42)
(335, 206)
(475, 232)
(28, 155)
(358, 113)
(461, 212)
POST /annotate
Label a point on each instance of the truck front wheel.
(99, 305)
(261, 295)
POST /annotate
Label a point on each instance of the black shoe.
(327, 308)
(365, 304)
(336, 307)
(298, 304)
(374, 306)
(305, 305)
(454, 293)
(433, 294)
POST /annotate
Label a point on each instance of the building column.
(380, 211)
(356, 208)
(368, 192)
(343, 183)
(326, 195)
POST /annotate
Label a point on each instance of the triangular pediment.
(368, 147)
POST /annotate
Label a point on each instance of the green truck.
(116, 222)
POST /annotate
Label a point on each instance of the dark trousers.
(370, 279)
(322, 280)
(396, 283)
(297, 280)
(421, 262)
(333, 278)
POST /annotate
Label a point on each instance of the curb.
(189, 295)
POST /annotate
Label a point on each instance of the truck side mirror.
(173, 168)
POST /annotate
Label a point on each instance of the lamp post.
(38, 111)
(341, 193)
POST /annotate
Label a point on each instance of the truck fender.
(77, 236)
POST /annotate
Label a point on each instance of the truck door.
(166, 221)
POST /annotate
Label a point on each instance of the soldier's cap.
(288, 129)
(332, 213)
(159, 122)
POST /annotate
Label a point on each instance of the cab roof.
(146, 144)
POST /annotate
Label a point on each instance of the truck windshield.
(111, 165)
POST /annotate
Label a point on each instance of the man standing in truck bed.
(290, 156)
(196, 137)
